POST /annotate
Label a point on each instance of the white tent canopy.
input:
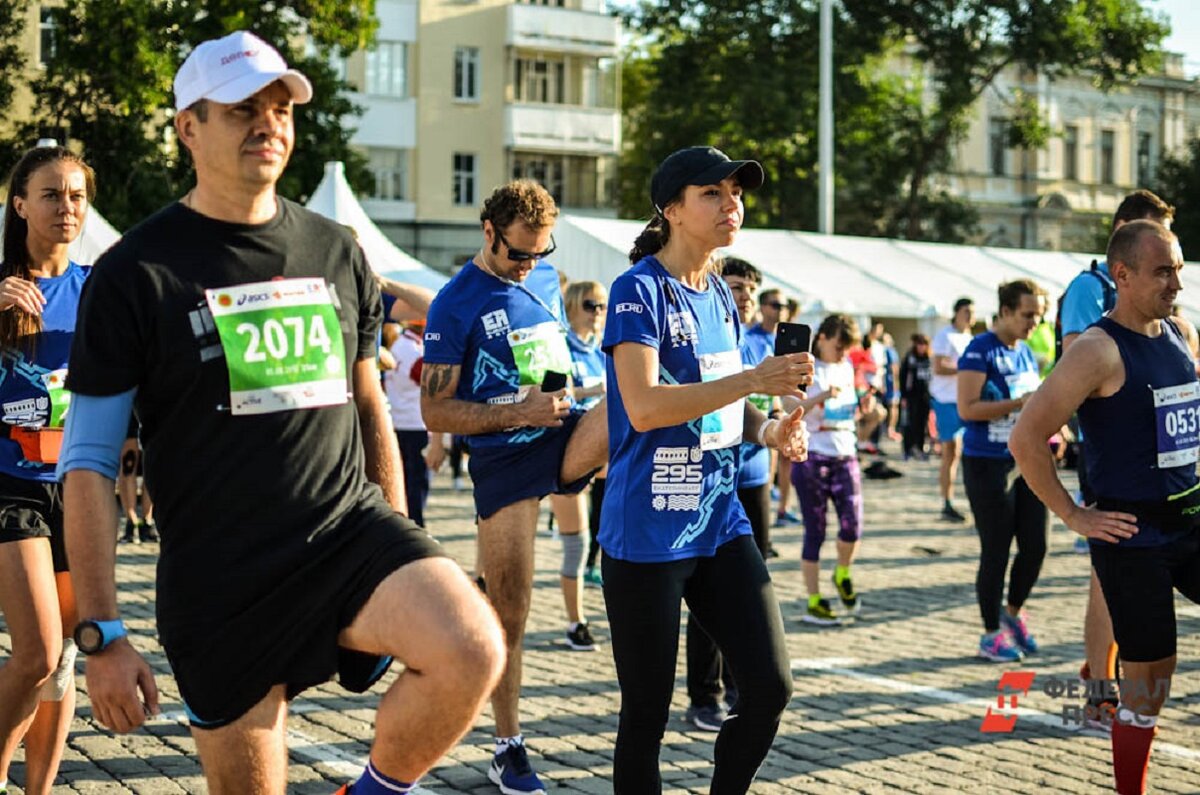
(862, 276)
(334, 199)
(98, 234)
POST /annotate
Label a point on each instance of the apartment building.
(464, 95)
(1104, 146)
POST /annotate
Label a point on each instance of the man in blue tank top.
(1132, 379)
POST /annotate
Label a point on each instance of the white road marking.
(840, 666)
(342, 763)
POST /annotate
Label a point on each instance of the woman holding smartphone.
(672, 528)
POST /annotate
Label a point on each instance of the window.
(998, 146)
(387, 69)
(1071, 152)
(390, 169)
(49, 36)
(466, 73)
(1107, 155)
(539, 80)
(1144, 174)
(546, 170)
(464, 180)
(555, 3)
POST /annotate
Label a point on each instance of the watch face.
(88, 637)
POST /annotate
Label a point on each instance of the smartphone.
(554, 381)
(793, 338)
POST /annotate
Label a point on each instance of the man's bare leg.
(949, 468)
(250, 754)
(453, 652)
(1097, 631)
(506, 553)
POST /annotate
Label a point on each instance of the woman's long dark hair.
(16, 324)
(651, 239)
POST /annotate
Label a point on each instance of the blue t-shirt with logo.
(1009, 373)
(667, 497)
(756, 459)
(503, 334)
(587, 359)
(26, 376)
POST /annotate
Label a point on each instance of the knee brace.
(56, 687)
(572, 559)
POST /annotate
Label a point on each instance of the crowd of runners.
(233, 329)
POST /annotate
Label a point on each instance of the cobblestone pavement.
(890, 704)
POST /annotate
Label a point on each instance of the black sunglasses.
(594, 306)
(517, 255)
(775, 305)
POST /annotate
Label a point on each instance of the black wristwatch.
(94, 636)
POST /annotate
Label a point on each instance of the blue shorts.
(949, 424)
(506, 474)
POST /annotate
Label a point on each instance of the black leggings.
(1002, 513)
(706, 671)
(731, 595)
(596, 500)
(917, 425)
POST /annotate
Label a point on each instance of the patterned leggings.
(818, 480)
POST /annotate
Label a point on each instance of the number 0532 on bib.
(283, 345)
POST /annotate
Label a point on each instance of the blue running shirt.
(668, 496)
(504, 335)
(24, 392)
(756, 459)
(1010, 374)
(588, 361)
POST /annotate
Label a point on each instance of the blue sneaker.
(1082, 546)
(513, 774)
(998, 647)
(1018, 628)
(786, 519)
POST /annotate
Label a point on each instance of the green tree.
(964, 45)
(742, 75)
(109, 89)
(1177, 181)
(12, 66)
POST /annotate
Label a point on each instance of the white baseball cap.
(232, 68)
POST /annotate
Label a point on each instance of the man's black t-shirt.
(242, 499)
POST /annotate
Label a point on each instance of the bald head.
(1127, 244)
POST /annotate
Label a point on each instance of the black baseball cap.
(699, 165)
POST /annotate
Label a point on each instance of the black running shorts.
(33, 509)
(1139, 585)
(506, 474)
(225, 666)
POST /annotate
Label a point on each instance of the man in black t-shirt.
(244, 328)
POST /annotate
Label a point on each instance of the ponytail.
(651, 240)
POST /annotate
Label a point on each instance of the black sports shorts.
(33, 509)
(507, 474)
(228, 665)
(1139, 585)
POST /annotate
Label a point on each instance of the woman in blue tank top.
(996, 374)
(672, 527)
(48, 196)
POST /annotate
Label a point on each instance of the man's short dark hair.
(961, 304)
(1009, 294)
(1125, 244)
(736, 266)
(769, 296)
(1143, 204)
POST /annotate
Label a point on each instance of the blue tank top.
(1141, 444)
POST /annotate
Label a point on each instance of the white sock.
(503, 743)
